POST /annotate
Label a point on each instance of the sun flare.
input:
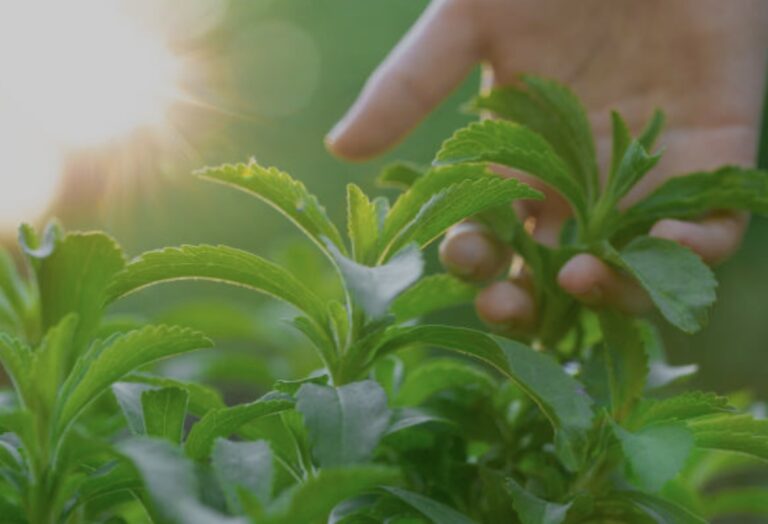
(74, 74)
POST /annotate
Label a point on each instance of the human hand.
(703, 61)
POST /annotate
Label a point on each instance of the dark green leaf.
(217, 263)
(621, 140)
(678, 282)
(165, 411)
(435, 511)
(661, 510)
(344, 424)
(635, 163)
(226, 421)
(518, 147)
(533, 510)
(743, 501)
(287, 195)
(431, 294)
(437, 375)
(688, 405)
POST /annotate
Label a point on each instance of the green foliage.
(579, 421)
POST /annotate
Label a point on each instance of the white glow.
(72, 73)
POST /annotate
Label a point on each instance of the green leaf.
(435, 511)
(226, 421)
(400, 175)
(12, 287)
(559, 396)
(652, 130)
(128, 397)
(430, 294)
(165, 411)
(202, 399)
(625, 360)
(221, 264)
(363, 225)
(635, 163)
(690, 196)
(440, 374)
(661, 510)
(533, 510)
(678, 282)
(73, 278)
(655, 454)
(108, 362)
(518, 147)
(744, 501)
(15, 357)
(620, 142)
(728, 432)
(313, 500)
(50, 362)
(690, 404)
(346, 423)
(247, 465)
(171, 482)
(374, 288)
(287, 195)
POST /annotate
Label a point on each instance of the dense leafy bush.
(591, 426)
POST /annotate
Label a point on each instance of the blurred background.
(103, 119)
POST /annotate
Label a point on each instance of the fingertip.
(507, 305)
(714, 238)
(471, 253)
(581, 275)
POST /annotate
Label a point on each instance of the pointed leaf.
(688, 405)
(217, 263)
(344, 424)
(436, 512)
(518, 147)
(226, 421)
(437, 375)
(165, 411)
(363, 225)
(652, 130)
(635, 163)
(286, 194)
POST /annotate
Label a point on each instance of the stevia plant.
(590, 426)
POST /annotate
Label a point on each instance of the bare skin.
(703, 61)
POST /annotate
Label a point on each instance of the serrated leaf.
(362, 224)
(73, 278)
(375, 287)
(313, 500)
(226, 421)
(243, 465)
(171, 482)
(728, 432)
(346, 423)
(436, 512)
(217, 263)
(533, 510)
(284, 193)
(625, 360)
(202, 399)
(430, 294)
(518, 147)
(690, 404)
(681, 286)
(400, 175)
(109, 361)
(165, 411)
(690, 196)
(51, 360)
(438, 375)
(655, 454)
(559, 396)
(15, 357)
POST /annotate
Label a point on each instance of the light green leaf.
(226, 421)
(518, 147)
(73, 278)
(625, 360)
(560, 397)
(128, 397)
(374, 288)
(247, 465)
(284, 193)
(652, 130)
(740, 433)
(16, 357)
(655, 454)
(678, 282)
(171, 482)
(363, 225)
(13, 288)
(165, 411)
(202, 399)
(400, 175)
(437, 375)
(690, 196)
(635, 163)
(346, 423)
(745, 501)
(313, 500)
(660, 510)
(50, 362)
(217, 263)
(533, 510)
(430, 294)
(108, 362)
(620, 142)
(690, 404)
(435, 511)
